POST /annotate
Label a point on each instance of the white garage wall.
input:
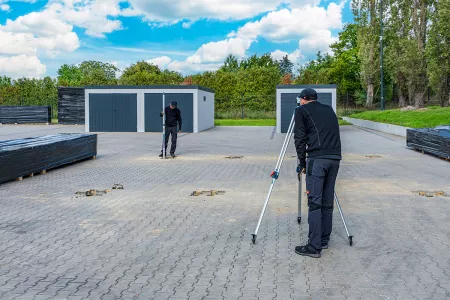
(205, 110)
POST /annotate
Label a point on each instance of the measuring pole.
(164, 126)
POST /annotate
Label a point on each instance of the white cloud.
(21, 65)
(161, 61)
(173, 11)
(5, 7)
(277, 26)
(294, 57)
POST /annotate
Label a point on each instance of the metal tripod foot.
(350, 240)
(299, 220)
(253, 238)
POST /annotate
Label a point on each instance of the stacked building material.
(23, 157)
(25, 114)
(430, 140)
(71, 105)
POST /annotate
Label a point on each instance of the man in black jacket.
(316, 132)
(173, 118)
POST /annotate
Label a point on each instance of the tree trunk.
(401, 99)
(419, 99)
(369, 99)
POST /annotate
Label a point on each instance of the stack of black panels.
(434, 141)
(23, 157)
(71, 108)
(25, 114)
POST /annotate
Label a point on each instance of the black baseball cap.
(308, 94)
(174, 103)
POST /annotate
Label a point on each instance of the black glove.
(301, 169)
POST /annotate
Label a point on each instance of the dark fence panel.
(25, 114)
(22, 157)
(71, 108)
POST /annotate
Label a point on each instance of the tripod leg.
(275, 174)
(299, 195)
(350, 237)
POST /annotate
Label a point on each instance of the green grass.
(343, 122)
(424, 118)
(248, 114)
(245, 122)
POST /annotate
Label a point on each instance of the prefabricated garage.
(286, 101)
(137, 108)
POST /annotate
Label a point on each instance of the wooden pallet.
(432, 154)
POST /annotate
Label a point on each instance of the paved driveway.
(153, 240)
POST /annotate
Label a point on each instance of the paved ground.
(155, 241)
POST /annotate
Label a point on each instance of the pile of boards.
(23, 157)
(25, 114)
(430, 140)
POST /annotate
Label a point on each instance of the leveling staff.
(316, 132)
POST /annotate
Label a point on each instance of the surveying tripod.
(275, 174)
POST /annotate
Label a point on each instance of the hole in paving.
(431, 193)
(207, 193)
(234, 157)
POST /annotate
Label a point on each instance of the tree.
(144, 73)
(87, 73)
(285, 66)
(345, 66)
(365, 12)
(438, 51)
(231, 64)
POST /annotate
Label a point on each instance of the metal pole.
(381, 56)
(299, 195)
(350, 237)
(164, 126)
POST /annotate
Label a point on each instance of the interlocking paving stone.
(153, 240)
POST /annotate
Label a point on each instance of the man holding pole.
(172, 122)
(316, 132)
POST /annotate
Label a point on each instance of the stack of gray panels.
(22, 157)
(71, 105)
(435, 141)
(25, 114)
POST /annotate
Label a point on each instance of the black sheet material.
(431, 140)
(23, 157)
(25, 114)
(71, 108)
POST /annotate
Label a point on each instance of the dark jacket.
(316, 126)
(173, 116)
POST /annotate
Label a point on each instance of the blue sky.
(38, 36)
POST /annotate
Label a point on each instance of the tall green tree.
(144, 73)
(345, 66)
(87, 73)
(438, 51)
(366, 16)
(286, 66)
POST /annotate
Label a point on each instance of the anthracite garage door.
(289, 102)
(113, 112)
(153, 106)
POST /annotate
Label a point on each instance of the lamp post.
(381, 57)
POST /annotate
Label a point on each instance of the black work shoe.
(161, 155)
(307, 250)
(324, 246)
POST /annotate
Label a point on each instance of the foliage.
(144, 73)
(87, 73)
(438, 51)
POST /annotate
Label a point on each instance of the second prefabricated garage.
(137, 108)
(286, 101)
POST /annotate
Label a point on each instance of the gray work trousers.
(321, 177)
